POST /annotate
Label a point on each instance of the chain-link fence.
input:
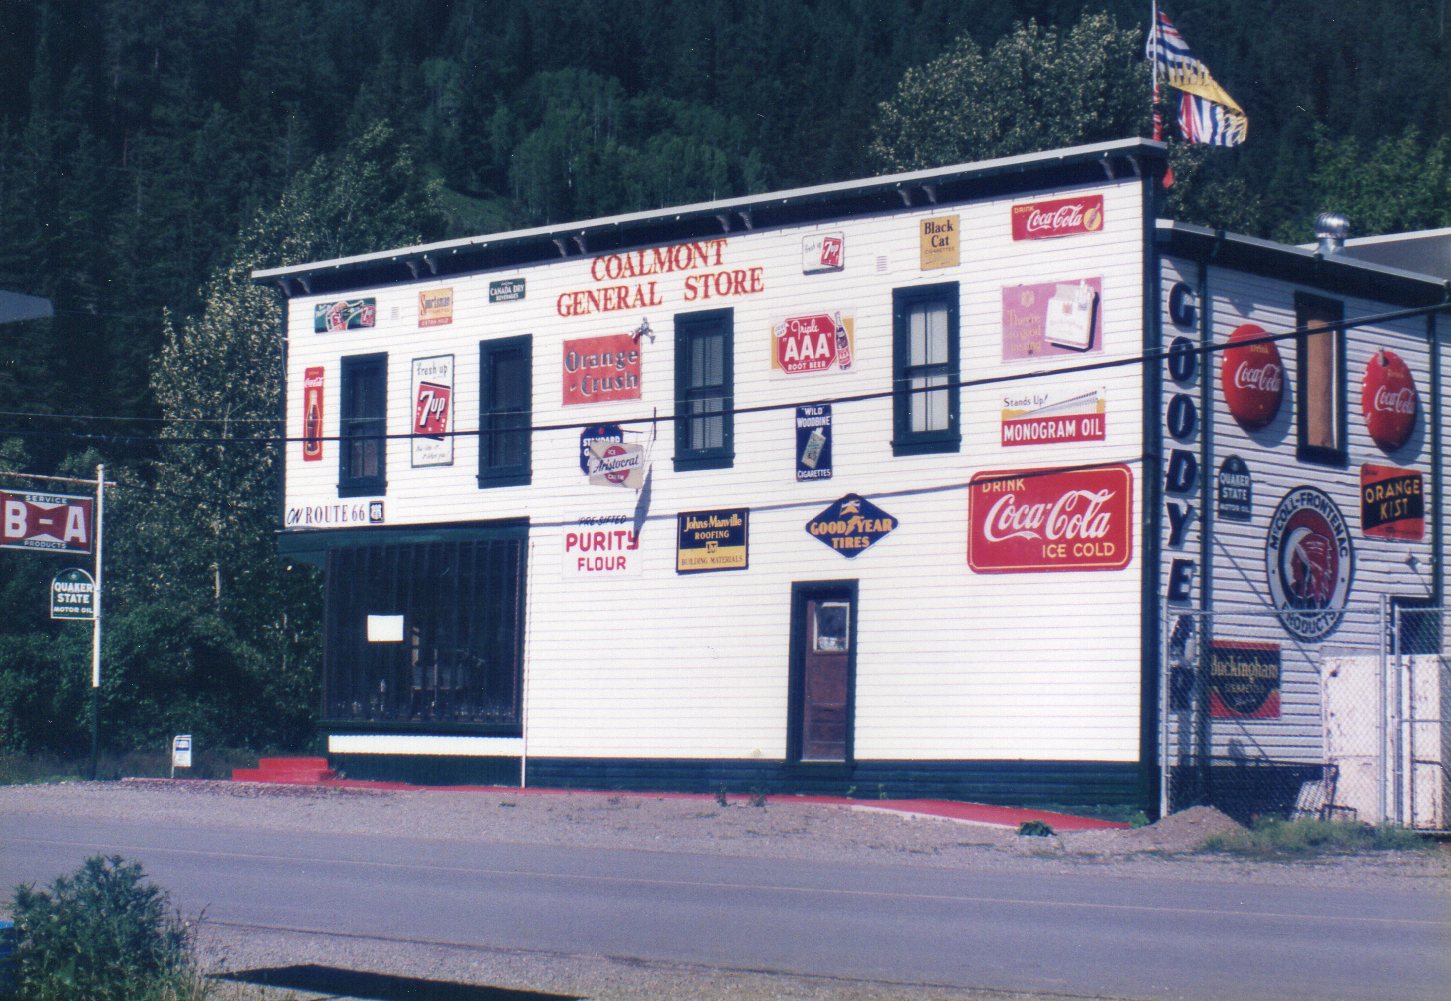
(1331, 713)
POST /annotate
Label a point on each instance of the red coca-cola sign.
(1252, 377)
(1058, 217)
(1046, 520)
(1388, 399)
(312, 400)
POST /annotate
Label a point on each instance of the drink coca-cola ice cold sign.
(1388, 400)
(1044, 520)
(1253, 377)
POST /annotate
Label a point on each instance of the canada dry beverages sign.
(1044, 520)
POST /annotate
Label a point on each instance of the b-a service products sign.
(45, 521)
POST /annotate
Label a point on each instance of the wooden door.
(824, 656)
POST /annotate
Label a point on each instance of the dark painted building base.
(427, 770)
(1248, 791)
(1012, 783)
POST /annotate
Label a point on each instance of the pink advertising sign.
(1053, 318)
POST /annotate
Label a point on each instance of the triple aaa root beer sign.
(1045, 520)
(820, 342)
(54, 522)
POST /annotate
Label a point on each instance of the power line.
(1158, 355)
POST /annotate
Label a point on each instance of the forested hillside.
(146, 147)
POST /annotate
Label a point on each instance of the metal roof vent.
(1331, 229)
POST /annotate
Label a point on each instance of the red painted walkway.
(314, 771)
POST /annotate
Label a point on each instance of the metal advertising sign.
(813, 442)
(820, 342)
(823, 252)
(345, 314)
(1244, 680)
(435, 307)
(1058, 217)
(1236, 490)
(600, 369)
(851, 525)
(312, 412)
(1392, 503)
(712, 540)
(1052, 318)
(601, 547)
(596, 432)
(55, 522)
(181, 751)
(616, 464)
(1048, 520)
(1388, 400)
(940, 245)
(334, 514)
(433, 411)
(1309, 562)
(73, 595)
(1252, 377)
(508, 290)
(1053, 416)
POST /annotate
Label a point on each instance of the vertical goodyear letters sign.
(55, 522)
(712, 540)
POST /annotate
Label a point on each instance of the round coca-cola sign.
(1253, 377)
(1388, 400)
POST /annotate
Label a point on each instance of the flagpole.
(1154, 35)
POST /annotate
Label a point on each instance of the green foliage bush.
(102, 934)
(1275, 838)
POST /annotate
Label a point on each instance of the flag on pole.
(1207, 114)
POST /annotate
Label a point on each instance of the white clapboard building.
(892, 486)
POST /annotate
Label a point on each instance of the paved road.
(1072, 931)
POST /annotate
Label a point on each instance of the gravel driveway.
(778, 829)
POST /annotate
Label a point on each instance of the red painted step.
(288, 770)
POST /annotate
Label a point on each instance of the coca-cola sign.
(1046, 520)
(1058, 217)
(312, 400)
(1252, 377)
(1389, 401)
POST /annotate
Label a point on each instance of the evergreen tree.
(1035, 89)
(211, 618)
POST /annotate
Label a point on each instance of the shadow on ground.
(329, 980)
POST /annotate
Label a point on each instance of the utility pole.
(64, 524)
(96, 624)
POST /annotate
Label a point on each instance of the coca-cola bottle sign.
(1389, 401)
(1252, 377)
